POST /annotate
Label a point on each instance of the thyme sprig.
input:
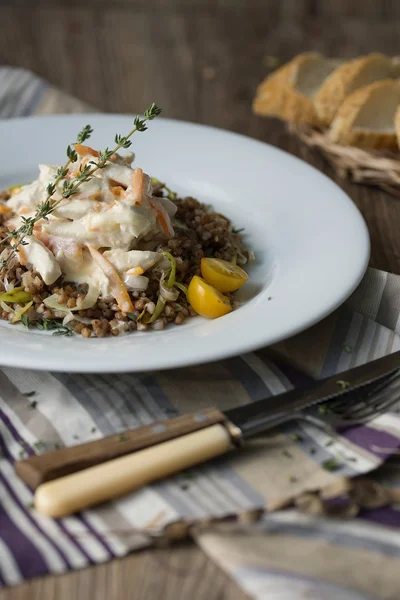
(47, 206)
(71, 186)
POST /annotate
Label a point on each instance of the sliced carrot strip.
(22, 211)
(41, 235)
(23, 259)
(118, 288)
(135, 188)
(85, 150)
(4, 208)
(163, 218)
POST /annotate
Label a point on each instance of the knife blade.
(251, 417)
(161, 449)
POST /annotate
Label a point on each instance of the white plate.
(311, 243)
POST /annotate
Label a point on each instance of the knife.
(71, 479)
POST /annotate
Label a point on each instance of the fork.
(370, 401)
(116, 477)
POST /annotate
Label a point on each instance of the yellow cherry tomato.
(206, 300)
(223, 275)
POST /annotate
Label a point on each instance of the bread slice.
(367, 117)
(288, 92)
(349, 77)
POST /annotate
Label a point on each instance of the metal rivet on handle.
(159, 428)
(200, 418)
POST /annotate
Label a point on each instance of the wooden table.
(200, 60)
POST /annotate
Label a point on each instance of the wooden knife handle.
(35, 470)
(117, 477)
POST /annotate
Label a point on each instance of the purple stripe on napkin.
(383, 516)
(339, 502)
(32, 521)
(372, 440)
(4, 450)
(63, 528)
(60, 522)
(91, 531)
(29, 450)
(26, 555)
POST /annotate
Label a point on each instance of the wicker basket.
(370, 167)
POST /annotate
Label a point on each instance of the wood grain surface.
(200, 60)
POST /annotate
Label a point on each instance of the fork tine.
(391, 379)
(385, 398)
(373, 399)
(391, 398)
(364, 393)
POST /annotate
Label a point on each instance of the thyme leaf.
(69, 187)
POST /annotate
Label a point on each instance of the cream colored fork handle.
(112, 479)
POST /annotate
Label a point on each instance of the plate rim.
(244, 346)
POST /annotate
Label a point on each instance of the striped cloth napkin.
(293, 553)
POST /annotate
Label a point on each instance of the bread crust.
(344, 129)
(341, 82)
(277, 95)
